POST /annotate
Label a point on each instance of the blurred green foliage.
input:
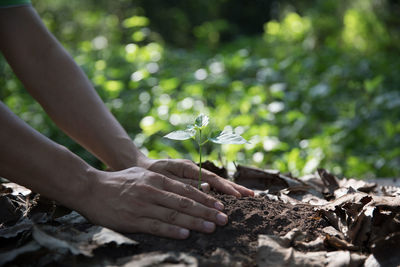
(310, 83)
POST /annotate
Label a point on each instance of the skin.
(139, 194)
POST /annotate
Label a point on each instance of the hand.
(139, 200)
(187, 172)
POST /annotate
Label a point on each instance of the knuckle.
(135, 169)
(154, 227)
(171, 216)
(146, 189)
(164, 182)
(167, 164)
(152, 177)
(185, 203)
(188, 188)
(166, 197)
(157, 180)
(210, 201)
(187, 162)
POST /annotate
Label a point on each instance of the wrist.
(124, 156)
(144, 162)
(71, 179)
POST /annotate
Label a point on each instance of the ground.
(317, 220)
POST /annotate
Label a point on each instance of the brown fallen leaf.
(303, 193)
(359, 185)
(158, 259)
(220, 257)
(337, 243)
(330, 181)
(276, 251)
(221, 172)
(258, 179)
(350, 215)
(69, 239)
(385, 250)
(315, 181)
(384, 222)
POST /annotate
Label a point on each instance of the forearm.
(30, 159)
(60, 86)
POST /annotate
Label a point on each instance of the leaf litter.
(315, 220)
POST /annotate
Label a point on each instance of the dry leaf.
(258, 179)
(273, 251)
(158, 259)
(386, 250)
(23, 225)
(330, 181)
(359, 185)
(221, 172)
(9, 256)
(17, 189)
(64, 239)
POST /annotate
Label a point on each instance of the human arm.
(53, 78)
(132, 200)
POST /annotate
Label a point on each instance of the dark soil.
(363, 220)
(248, 217)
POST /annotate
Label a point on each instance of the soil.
(358, 221)
(249, 217)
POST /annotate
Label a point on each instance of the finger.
(243, 190)
(170, 170)
(205, 187)
(160, 228)
(221, 184)
(187, 169)
(191, 182)
(185, 204)
(174, 217)
(186, 190)
(191, 170)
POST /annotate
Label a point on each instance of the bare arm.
(133, 200)
(53, 78)
(59, 85)
(151, 197)
(31, 159)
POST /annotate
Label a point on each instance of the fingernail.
(205, 187)
(219, 206)
(183, 233)
(208, 226)
(222, 218)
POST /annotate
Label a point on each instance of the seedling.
(196, 132)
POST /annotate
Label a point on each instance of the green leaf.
(227, 137)
(201, 121)
(181, 135)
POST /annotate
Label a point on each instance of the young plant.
(197, 130)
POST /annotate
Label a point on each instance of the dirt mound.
(249, 217)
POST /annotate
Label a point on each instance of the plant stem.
(200, 159)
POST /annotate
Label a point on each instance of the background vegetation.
(309, 83)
